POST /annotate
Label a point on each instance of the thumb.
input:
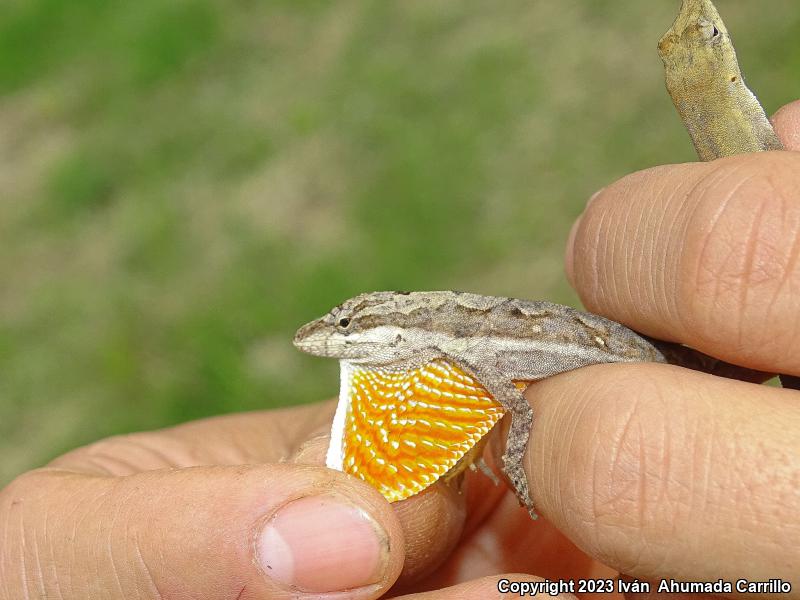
(787, 125)
(247, 532)
(434, 520)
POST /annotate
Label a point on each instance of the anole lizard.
(496, 341)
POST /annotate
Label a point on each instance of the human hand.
(662, 472)
(240, 507)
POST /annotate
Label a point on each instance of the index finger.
(266, 436)
(705, 254)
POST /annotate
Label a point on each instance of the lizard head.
(375, 328)
(698, 44)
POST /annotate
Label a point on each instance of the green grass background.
(183, 183)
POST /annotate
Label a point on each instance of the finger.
(787, 125)
(705, 254)
(498, 587)
(251, 532)
(243, 438)
(432, 521)
(660, 471)
(260, 436)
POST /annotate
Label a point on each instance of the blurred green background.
(184, 183)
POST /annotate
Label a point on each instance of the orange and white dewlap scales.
(400, 431)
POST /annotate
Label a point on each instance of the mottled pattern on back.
(467, 315)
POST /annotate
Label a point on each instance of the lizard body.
(497, 341)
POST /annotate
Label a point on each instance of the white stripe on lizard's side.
(335, 457)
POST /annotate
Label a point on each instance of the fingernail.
(569, 254)
(322, 544)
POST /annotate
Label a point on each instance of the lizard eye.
(708, 31)
(344, 322)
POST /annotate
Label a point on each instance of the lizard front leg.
(506, 393)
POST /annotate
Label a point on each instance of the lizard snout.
(304, 335)
(313, 338)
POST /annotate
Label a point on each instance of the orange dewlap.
(404, 430)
